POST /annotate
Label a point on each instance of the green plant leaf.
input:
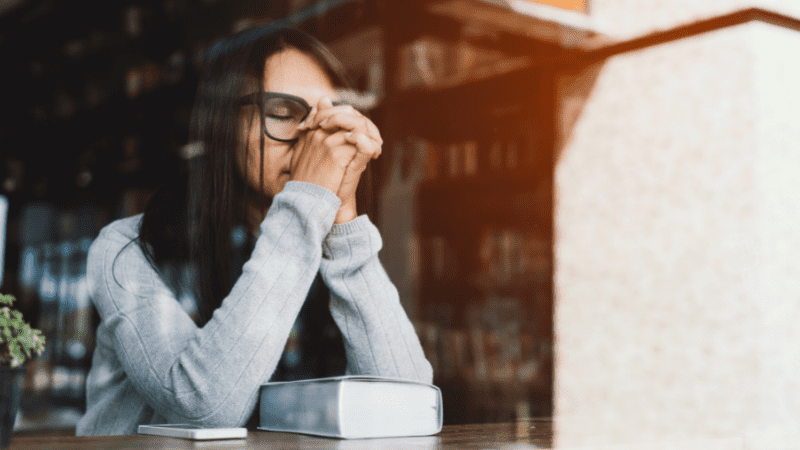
(18, 341)
(31, 342)
(6, 299)
(14, 349)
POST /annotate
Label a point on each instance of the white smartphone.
(187, 431)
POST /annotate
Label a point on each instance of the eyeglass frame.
(259, 98)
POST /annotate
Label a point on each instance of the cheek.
(272, 164)
(251, 163)
(250, 153)
(247, 146)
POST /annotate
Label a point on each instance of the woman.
(282, 158)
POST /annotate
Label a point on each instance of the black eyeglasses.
(280, 113)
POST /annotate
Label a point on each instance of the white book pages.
(352, 407)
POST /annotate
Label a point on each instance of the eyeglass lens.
(282, 116)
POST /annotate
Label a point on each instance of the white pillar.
(677, 216)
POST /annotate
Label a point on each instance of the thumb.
(297, 152)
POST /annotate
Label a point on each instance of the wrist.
(345, 214)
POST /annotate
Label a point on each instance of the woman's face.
(290, 72)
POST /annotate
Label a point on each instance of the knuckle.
(328, 142)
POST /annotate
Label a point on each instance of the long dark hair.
(190, 220)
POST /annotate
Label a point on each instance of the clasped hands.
(334, 150)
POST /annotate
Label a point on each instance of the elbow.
(197, 400)
(209, 413)
(218, 420)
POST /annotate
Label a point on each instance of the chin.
(280, 184)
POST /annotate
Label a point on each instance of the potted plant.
(18, 343)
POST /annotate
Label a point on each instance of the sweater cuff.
(359, 223)
(357, 239)
(313, 190)
(311, 204)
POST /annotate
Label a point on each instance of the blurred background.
(476, 101)
(95, 117)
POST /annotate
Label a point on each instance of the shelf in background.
(447, 207)
(473, 94)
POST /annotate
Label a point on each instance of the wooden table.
(532, 433)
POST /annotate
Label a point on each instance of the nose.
(292, 146)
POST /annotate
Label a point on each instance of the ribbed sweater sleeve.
(210, 375)
(379, 338)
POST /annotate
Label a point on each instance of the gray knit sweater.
(152, 364)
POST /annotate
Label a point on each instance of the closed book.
(352, 407)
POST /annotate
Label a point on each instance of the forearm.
(379, 337)
(211, 375)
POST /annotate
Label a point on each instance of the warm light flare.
(572, 5)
